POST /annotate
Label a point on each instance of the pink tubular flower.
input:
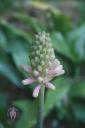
(28, 81)
(36, 91)
(44, 65)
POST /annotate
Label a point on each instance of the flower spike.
(44, 65)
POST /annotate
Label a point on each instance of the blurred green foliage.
(17, 31)
(5, 5)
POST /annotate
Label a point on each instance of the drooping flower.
(44, 65)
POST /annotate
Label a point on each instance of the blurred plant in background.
(19, 22)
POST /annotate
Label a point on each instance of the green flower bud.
(40, 79)
(39, 68)
(35, 73)
(42, 55)
(36, 59)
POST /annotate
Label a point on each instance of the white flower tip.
(24, 82)
(35, 95)
(53, 87)
(50, 86)
(36, 91)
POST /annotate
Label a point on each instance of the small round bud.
(39, 33)
(49, 45)
(33, 63)
(50, 64)
(44, 50)
(32, 53)
(48, 35)
(37, 42)
(41, 56)
(47, 57)
(40, 79)
(46, 71)
(42, 63)
(50, 50)
(36, 36)
(37, 52)
(36, 59)
(53, 56)
(35, 47)
(36, 73)
(40, 47)
(39, 68)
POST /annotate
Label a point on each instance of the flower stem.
(41, 108)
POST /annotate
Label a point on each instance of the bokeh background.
(20, 20)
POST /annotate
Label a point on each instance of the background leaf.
(78, 90)
(55, 97)
(28, 115)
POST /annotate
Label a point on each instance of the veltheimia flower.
(44, 65)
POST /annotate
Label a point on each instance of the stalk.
(40, 118)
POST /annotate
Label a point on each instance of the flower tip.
(35, 95)
(36, 91)
(53, 88)
(28, 81)
(50, 86)
(24, 82)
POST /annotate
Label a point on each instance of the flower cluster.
(44, 65)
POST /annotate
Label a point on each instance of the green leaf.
(28, 115)
(76, 41)
(60, 45)
(29, 21)
(79, 111)
(61, 22)
(3, 108)
(3, 40)
(12, 30)
(5, 5)
(56, 20)
(78, 90)
(1, 125)
(20, 51)
(8, 70)
(55, 97)
(80, 45)
(3, 100)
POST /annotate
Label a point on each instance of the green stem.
(41, 108)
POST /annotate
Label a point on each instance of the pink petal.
(60, 73)
(28, 81)
(36, 91)
(58, 68)
(50, 85)
(26, 68)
